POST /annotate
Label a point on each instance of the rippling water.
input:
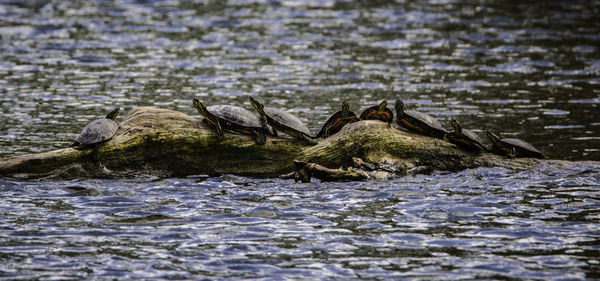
(523, 68)
(481, 223)
(527, 69)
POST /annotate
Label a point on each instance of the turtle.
(378, 112)
(513, 147)
(418, 121)
(283, 121)
(337, 121)
(233, 118)
(98, 131)
(464, 138)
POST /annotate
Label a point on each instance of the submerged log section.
(163, 142)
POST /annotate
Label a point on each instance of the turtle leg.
(274, 131)
(308, 140)
(512, 153)
(259, 137)
(219, 129)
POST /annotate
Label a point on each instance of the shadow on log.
(168, 143)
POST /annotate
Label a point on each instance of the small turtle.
(513, 147)
(464, 138)
(337, 121)
(378, 112)
(98, 131)
(418, 121)
(233, 118)
(283, 121)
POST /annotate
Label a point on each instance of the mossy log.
(163, 143)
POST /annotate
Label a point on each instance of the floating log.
(168, 143)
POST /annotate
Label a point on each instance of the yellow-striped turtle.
(378, 112)
(281, 120)
(337, 121)
(464, 138)
(233, 118)
(513, 147)
(419, 122)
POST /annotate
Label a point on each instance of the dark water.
(526, 69)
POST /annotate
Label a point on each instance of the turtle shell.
(235, 117)
(469, 141)
(522, 148)
(423, 123)
(336, 122)
(286, 122)
(373, 113)
(97, 131)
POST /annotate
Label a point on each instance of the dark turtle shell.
(378, 112)
(510, 146)
(283, 121)
(466, 139)
(98, 131)
(337, 121)
(419, 122)
(233, 118)
(522, 148)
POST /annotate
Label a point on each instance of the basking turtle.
(337, 121)
(513, 147)
(378, 112)
(464, 138)
(233, 118)
(99, 130)
(418, 121)
(283, 121)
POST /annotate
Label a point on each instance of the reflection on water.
(528, 69)
(481, 223)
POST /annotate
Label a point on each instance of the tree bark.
(162, 143)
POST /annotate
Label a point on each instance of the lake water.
(526, 69)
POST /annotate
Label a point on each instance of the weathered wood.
(169, 143)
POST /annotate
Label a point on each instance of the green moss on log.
(170, 143)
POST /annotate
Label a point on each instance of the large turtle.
(98, 131)
(464, 138)
(337, 121)
(283, 121)
(513, 147)
(233, 118)
(378, 112)
(418, 121)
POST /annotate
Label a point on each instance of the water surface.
(541, 224)
(526, 69)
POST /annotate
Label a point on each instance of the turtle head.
(399, 108)
(457, 127)
(382, 105)
(260, 108)
(113, 114)
(494, 139)
(201, 107)
(345, 109)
